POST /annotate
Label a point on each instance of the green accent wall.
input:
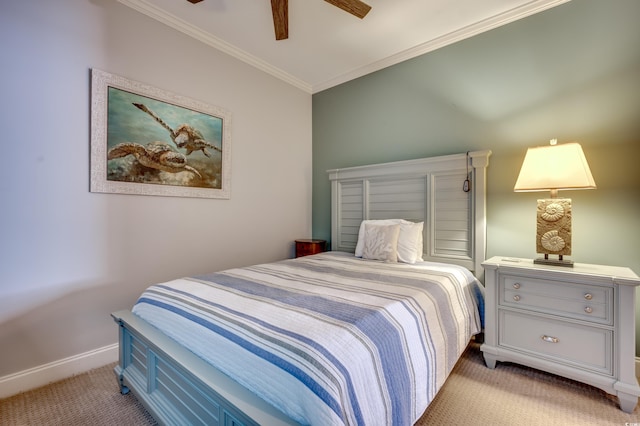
(571, 73)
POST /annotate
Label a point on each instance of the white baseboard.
(57, 370)
(77, 364)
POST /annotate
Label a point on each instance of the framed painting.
(147, 141)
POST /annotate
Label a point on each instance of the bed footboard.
(177, 387)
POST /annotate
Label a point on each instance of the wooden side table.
(307, 247)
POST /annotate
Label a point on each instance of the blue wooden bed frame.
(179, 388)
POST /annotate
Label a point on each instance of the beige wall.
(70, 257)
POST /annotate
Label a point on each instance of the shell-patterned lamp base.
(553, 230)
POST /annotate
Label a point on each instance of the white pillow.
(410, 241)
(381, 242)
(360, 243)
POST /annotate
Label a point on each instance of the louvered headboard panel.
(428, 190)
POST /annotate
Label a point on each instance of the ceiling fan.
(280, 12)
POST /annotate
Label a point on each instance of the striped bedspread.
(329, 339)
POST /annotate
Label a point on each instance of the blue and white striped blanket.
(329, 339)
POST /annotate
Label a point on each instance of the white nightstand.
(576, 322)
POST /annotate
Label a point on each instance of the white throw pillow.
(381, 242)
(360, 243)
(410, 240)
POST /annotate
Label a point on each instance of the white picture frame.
(147, 141)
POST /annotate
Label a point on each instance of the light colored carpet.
(473, 395)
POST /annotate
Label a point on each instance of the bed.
(363, 334)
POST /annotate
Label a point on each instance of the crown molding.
(463, 33)
(512, 15)
(176, 23)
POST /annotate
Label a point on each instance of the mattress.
(328, 339)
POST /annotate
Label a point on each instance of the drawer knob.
(516, 298)
(550, 339)
(588, 309)
(516, 286)
(588, 296)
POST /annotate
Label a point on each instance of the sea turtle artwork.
(150, 142)
(155, 155)
(184, 136)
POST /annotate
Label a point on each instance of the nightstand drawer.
(560, 341)
(572, 300)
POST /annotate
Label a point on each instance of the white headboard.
(428, 190)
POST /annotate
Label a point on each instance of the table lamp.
(553, 168)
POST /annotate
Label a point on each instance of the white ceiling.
(327, 46)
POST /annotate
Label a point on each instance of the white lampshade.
(555, 167)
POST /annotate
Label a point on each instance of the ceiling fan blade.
(194, 1)
(354, 7)
(280, 12)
